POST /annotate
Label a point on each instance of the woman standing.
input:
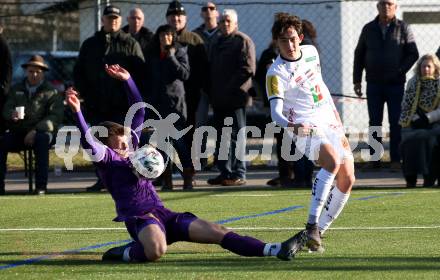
(167, 68)
(420, 121)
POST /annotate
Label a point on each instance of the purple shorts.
(174, 225)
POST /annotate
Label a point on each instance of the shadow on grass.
(229, 264)
(40, 253)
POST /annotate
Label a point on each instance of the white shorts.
(311, 144)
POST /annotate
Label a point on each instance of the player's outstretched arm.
(117, 72)
(87, 140)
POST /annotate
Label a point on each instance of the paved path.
(69, 182)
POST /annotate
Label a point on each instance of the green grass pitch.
(381, 234)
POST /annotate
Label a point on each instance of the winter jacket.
(44, 110)
(6, 67)
(198, 61)
(232, 66)
(104, 97)
(385, 59)
(207, 38)
(5, 75)
(143, 37)
(165, 78)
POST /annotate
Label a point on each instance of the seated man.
(33, 111)
(151, 225)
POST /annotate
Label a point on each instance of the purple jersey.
(133, 196)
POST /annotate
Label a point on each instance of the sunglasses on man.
(205, 9)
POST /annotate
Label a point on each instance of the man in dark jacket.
(232, 66)
(386, 50)
(43, 112)
(198, 62)
(137, 30)
(5, 75)
(103, 98)
(208, 31)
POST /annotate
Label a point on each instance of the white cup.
(20, 111)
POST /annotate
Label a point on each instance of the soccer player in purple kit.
(151, 225)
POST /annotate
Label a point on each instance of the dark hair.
(308, 29)
(283, 21)
(114, 129)
(309, 32)
(155, 43)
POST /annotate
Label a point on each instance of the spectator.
(232, 67)
(167, 69)
(137, 30)
(198, 62)
(5, 75)
(208, 31)
(102, 95)
(386, 50)
(43, 113)
(420, 121)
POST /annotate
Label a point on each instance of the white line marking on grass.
(354, 194)
(243, 195)
(335, 228)
(63, 229)
(232, 228)
(46, 197)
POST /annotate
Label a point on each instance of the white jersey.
(306, 98)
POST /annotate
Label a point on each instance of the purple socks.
(242, 245)
(137, 253)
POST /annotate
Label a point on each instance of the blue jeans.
(232, 167)
(14, 142)
(377, 96)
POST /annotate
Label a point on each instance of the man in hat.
(137, 30)
(198, 62)
(43, 113)
(5, 74)
(102, 95)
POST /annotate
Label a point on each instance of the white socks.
(320, 191)
(271, 249)
(335, 203)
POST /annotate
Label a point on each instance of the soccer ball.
(147, 162)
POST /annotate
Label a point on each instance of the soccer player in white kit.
(301, 102)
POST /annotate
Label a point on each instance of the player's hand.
(72, 100)
(302, 129)
(171, 51)
(117, 72)
(14, 116)
(358, 89)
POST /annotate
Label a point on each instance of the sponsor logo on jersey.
(272, 86)
(312, 58)
(316, 93)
